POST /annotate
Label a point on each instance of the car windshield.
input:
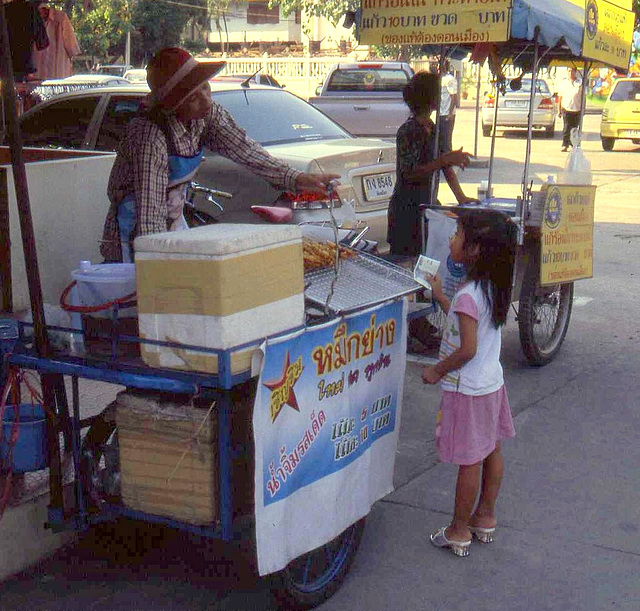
(277, 117)
(374, 79)
(625, 91)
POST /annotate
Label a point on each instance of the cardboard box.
(169, 455)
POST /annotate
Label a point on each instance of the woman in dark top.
(416, 166)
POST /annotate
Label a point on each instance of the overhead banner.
(325, 424)
(608, 33)
(428, 22)
(567, 234)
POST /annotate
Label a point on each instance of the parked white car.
(513, 108)
(287, 126)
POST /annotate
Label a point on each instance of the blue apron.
(181, 171)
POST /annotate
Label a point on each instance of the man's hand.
(316, 183)
(455, 158)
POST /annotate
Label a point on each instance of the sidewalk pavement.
(569, 513)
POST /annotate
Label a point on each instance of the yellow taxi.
(621, 113)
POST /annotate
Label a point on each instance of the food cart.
(555, 245)
(262, 401)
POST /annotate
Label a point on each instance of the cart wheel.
(543, 316)
(312, 578)
(99, 461)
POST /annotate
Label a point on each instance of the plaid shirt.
(142, 168)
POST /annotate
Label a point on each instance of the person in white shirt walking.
(448, 104)
(570, 105)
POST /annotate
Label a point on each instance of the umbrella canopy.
(555, 21)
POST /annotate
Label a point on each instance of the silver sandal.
(439, 539)
(484, 535)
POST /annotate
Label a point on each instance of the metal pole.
(31, 258)
(493, 139)
(475, 136)
(532, 96)
(127, 50)
(586, 69)
(5, 246)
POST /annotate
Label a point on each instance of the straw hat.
(174, 74)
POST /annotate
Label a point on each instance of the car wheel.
(550, 132)
(607, 143)
(635, 141)
(486, 130)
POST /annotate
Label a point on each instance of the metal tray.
(363, 281)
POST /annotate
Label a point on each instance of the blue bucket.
(30, 449)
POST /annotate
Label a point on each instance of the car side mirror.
(318, 89)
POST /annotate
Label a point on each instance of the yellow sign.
(608, 32)
(567, 234)
(627, 5)
(426, 22)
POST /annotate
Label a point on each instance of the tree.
(101, 28)
(217, 12)
(332, 10)
(161, 24)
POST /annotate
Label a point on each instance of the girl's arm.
(468, 346)
(437, 293)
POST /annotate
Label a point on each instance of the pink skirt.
(469, 427)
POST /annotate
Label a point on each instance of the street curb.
(25, 541)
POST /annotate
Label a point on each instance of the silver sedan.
(513, 107)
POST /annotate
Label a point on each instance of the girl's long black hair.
(495, 236)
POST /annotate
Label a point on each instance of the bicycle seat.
(273, 214)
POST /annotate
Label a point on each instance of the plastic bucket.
(103, 283)
(97, 285)
(30, 449)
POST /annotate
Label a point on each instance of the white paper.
(424, 266)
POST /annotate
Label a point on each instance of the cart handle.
(125, 302)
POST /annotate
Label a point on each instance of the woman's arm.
(454, 184)
(445, 162)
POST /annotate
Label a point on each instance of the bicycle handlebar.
(196, 187)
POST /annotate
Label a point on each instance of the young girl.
(474, 412)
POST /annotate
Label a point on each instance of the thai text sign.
(608, 32)
(567, 234)
(424, 22)
(326, 422)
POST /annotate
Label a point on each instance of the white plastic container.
(102, 283)
(218, 286)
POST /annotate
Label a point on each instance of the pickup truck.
(365, 97)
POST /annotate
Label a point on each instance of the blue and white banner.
(326, 423)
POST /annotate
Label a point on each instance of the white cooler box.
(218, 286)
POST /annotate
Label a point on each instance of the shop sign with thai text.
(427, 22)
(608, 32)
(567, 234)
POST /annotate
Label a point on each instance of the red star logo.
(282, 392)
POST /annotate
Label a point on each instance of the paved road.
(570, 508)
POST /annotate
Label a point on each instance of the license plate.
(378, 186)
(516, 103)
(632, 133)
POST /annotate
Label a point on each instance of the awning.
(555, 19)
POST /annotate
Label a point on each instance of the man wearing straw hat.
(162, 149)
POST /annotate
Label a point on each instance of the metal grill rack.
(363, 281)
